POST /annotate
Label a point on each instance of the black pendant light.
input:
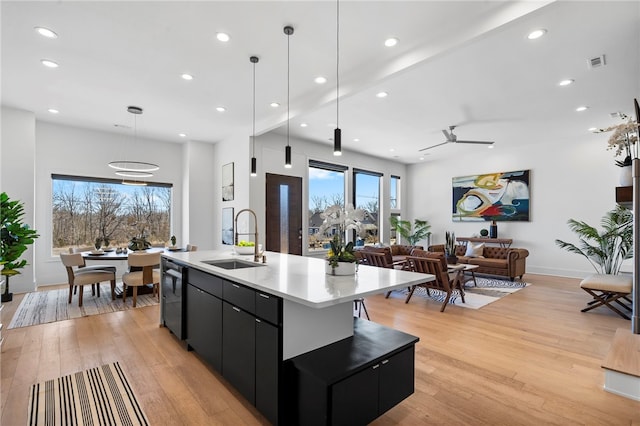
(337, 133)
(254, 60)
(287, 151)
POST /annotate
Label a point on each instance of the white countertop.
(303, 279)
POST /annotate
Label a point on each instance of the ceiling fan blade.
(477, 142)
(433, 146)
(447, 135)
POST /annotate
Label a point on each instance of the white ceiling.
(466, 63)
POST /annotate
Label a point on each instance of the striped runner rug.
(41, 307)
(98, 396)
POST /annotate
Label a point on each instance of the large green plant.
(15, 237)
(403, 227)
(606, 249)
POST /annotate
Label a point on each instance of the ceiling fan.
(451, 138)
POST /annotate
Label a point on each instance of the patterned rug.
(98, 396)
(488, 290)
(42, 307)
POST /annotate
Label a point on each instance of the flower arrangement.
(624, 141)
(341, 220)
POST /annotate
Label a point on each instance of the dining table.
(112, 254)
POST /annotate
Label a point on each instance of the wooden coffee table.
(464, 272)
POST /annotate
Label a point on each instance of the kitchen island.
(260, 324)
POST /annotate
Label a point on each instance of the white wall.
(81, 152)
(16, 169)
(270, 156)
(198, 206)
(573, 177)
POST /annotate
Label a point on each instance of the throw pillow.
(474, 251)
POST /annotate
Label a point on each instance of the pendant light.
(254, 60)
(337, 133)
(287, 151)
(134, 169)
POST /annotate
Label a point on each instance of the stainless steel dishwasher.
(174, 280)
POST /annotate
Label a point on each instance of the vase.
(343, 268)
(626, 178)
(493, 230)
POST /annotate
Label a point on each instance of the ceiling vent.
(596, 62)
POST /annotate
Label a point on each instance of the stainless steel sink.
(231, 263)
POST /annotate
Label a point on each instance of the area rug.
(487, 291)
(42, 307)
(98, 396)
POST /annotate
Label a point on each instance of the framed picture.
(227, 182)
(227, 225)
(502, 196)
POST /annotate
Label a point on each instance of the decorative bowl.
(244, 249)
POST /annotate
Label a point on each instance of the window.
(326, 188)
(367, 197)
(394, 192)
(85, 209)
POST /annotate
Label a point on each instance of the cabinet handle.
(266, 296)
(235, 309)
(376, 366)
(385, 361)
(235, 285)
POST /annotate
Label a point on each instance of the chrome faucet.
(256, 254)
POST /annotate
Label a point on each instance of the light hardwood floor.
(531, 358)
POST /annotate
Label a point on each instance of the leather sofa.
(502, 261)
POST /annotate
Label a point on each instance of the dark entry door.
(284, 214)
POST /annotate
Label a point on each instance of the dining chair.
(136, 278)
(79, 276)
(436, 266)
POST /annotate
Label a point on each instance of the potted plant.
(403, 227)
(624, 141)
(605, 250)
(173, 241)
(15, 239)
(450, 247)
(139, 243)
(340, 257)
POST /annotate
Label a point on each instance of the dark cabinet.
(355, 380)
(173, 289)
(204, 325)
(268, 368)
(239, 350)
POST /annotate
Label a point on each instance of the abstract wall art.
(502, 196)
(227, 225)
(227, 182)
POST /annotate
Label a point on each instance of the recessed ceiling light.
(490, 146)
(303, 124)
(392, 149)
(382, 94)
(582, 108)
(49, 63)
(182, 135)
(224, 37)
(592, 129)
(46, 32)
(221, 109)
(566, 82)
(356, 140)
(421, 158)
(536, 34)
(53, 111)
(390, 42)
(187, 76)
(320, 80)
(274, 104)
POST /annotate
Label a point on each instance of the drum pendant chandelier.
(134, 169)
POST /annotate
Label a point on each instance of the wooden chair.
(375, 259)
(148, 275)
(436, 266)
(85, 267)
(79, 276)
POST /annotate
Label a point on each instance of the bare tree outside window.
(85, 210)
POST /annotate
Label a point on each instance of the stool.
(607, 289)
